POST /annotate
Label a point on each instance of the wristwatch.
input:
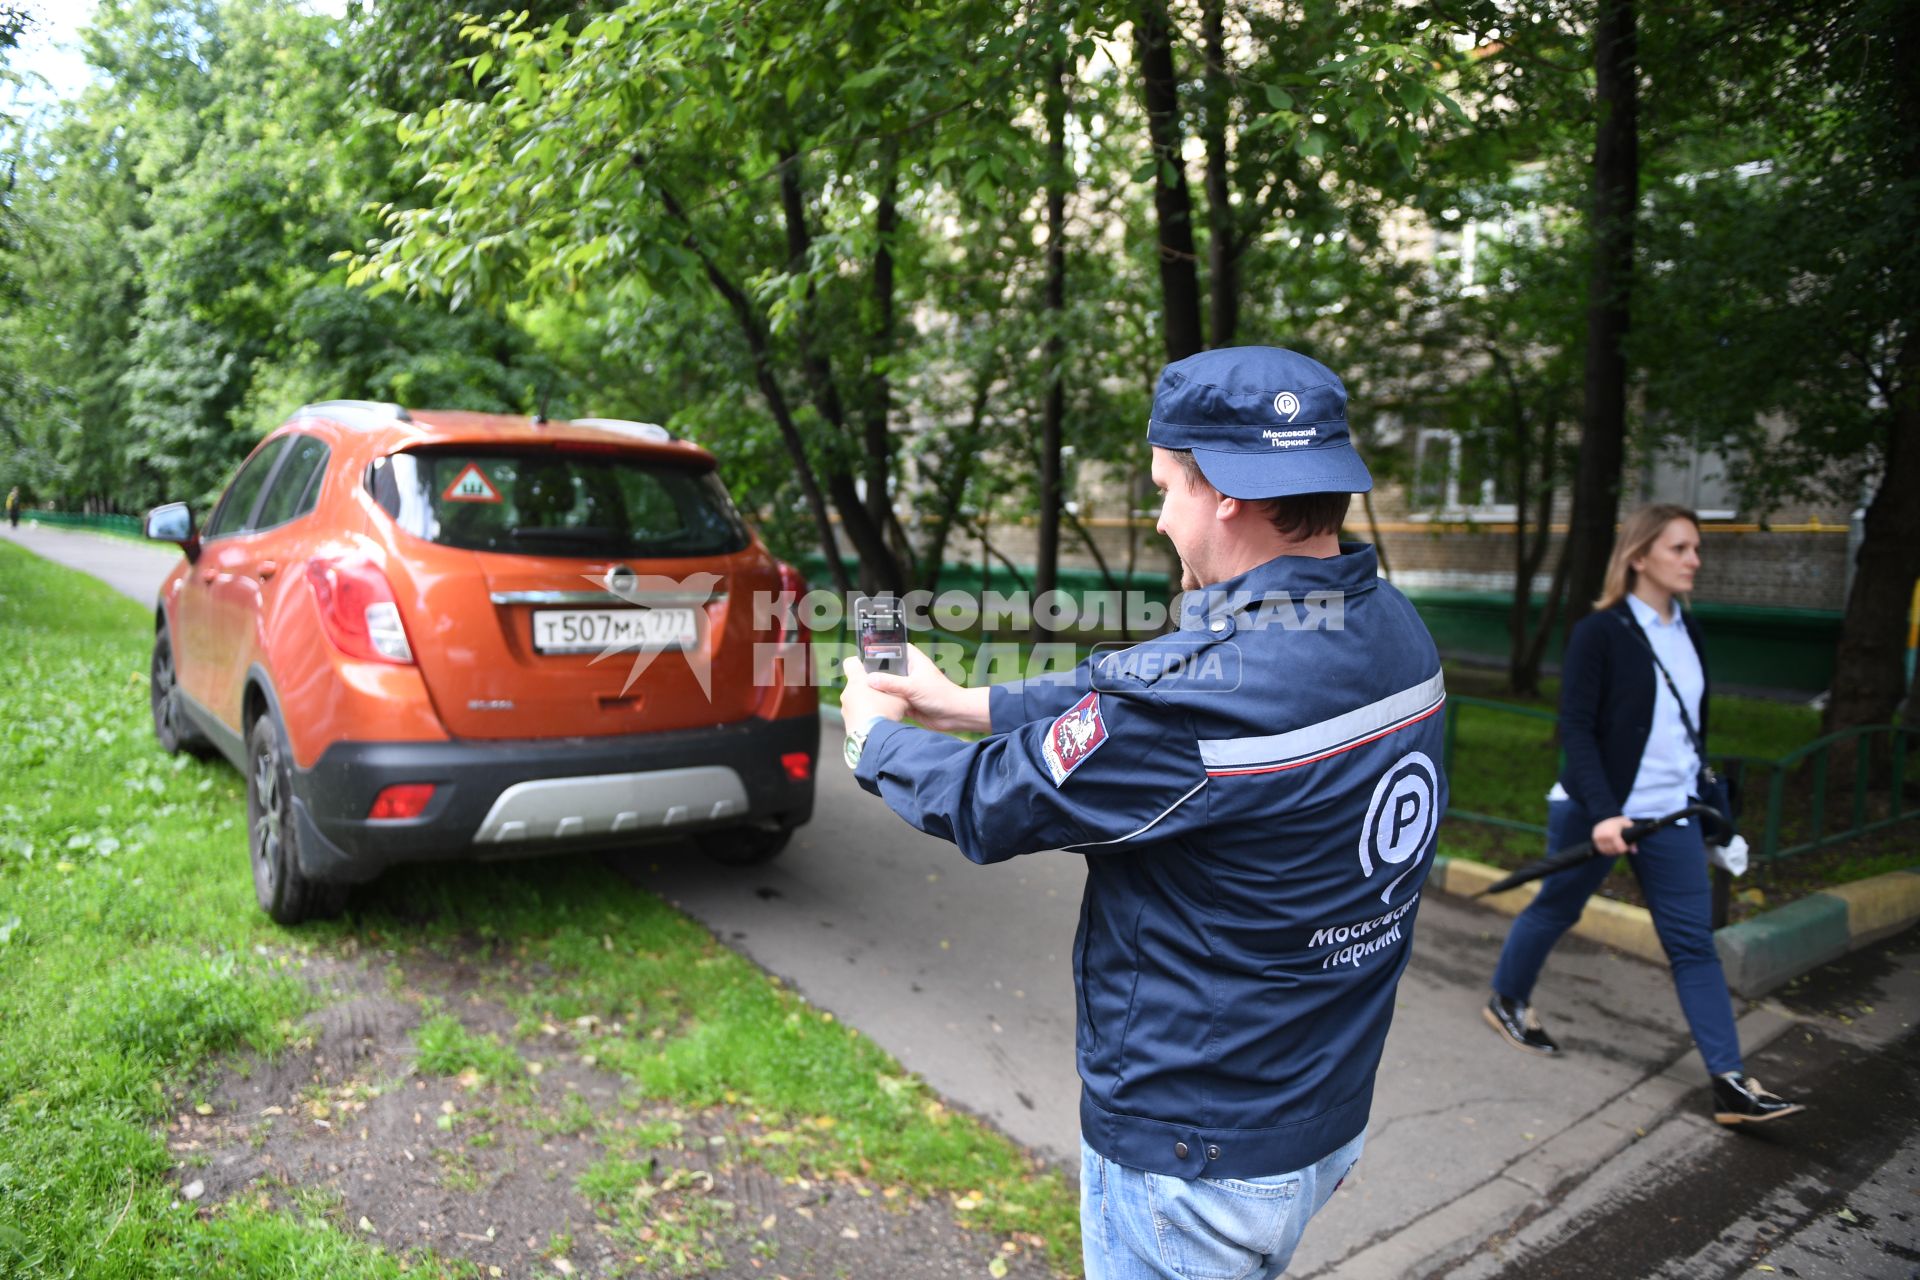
(857, 741)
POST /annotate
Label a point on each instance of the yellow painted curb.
(1616, 924)
(1466, 878)
(1622, 925)
(1881, 903)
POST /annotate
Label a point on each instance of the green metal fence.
(1859, 744)
(78, 520)
(1868, 752)
(1454, 706)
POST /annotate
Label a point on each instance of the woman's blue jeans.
(1672, 868)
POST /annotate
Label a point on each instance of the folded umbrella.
(1574, 854)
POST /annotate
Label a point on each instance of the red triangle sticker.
(471, 485)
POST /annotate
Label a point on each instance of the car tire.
(175, 732)
(272, 836)
(745, 846)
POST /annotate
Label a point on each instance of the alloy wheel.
(267, 818)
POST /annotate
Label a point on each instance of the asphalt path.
(133, 569)
(963, 973)
(1481, 1159)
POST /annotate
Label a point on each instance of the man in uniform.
(1256, 794)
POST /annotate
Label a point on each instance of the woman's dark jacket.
(1607, 682)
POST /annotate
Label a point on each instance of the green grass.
(133, 957)
(128, 938)
(447, 1048)
(1504, 764)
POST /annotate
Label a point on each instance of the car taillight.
(358, 610)
(402, 800)
(798, 764)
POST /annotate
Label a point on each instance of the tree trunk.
(1524, 651)
(1869, 678)
(879, 440)
(1869, 675)
(1616, 190)
(1536, 653)
(1373, 529)
(954, 476)
(1223, 247)
(979, 530)
(879, 570)
(1093, 548)
(1524, 562)
(1172, 201)
(755, 333)
(1530, 640)
(1047, 568)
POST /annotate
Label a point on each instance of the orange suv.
(440, 635)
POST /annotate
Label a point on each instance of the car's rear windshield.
(557, 502)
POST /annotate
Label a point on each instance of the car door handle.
(266, 569)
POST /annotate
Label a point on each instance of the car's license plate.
(592, 630)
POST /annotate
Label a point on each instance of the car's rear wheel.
(272, 839)
(745, 846)
(175, 732)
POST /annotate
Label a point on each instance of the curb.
(1759, 954)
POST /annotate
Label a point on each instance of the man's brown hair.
(1300, 515)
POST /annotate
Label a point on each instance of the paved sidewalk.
(132, 568)
(1482, 1160)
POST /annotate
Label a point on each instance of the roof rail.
(356, 413)
(652, 432)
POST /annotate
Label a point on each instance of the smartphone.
(880, 631)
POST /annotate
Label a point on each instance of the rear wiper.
(584, 533)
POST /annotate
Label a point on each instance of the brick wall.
(1761, 569)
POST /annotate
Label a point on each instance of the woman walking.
(1633, 723)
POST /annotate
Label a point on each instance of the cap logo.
(1287, 405)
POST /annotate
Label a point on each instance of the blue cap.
(1262, 422)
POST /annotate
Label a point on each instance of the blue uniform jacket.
(1257, 796)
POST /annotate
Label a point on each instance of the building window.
(1456, 476)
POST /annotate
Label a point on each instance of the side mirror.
(173, 523)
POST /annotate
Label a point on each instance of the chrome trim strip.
(646, 599)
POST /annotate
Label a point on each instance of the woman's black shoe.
(1739, 1099)
(1520, 1027)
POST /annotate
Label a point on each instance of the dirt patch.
(557, 1168)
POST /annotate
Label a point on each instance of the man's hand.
(924, 693)
(861, 703)
(1607, 838)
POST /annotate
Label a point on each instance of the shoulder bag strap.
(1686, 721)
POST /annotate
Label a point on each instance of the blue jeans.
(1671, 866)
(1135, 1224)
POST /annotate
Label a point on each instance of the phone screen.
(880, 631)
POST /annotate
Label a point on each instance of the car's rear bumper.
(514, 798)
